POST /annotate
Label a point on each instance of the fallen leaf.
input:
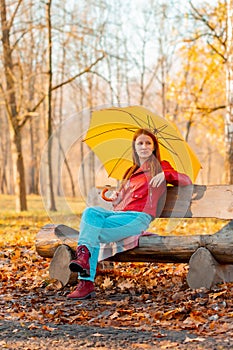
(47, 328)
(114, 315)
(216, 295)
(55, 285)
(33, 326)
(107, 283)
(126, 285)
(141, 346)
(189, 340)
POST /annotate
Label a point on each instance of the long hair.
(154, 160)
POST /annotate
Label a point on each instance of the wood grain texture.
(153, 248)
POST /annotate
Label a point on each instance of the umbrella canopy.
(111, 132)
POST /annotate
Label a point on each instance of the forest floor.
(137, 306)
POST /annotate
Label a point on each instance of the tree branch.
(10, 25)
(27, 115)
(209, 110)
(79, 74)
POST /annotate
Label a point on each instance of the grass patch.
(21, 228)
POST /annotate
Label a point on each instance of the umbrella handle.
(105, 197)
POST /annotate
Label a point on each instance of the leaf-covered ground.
(138, 306)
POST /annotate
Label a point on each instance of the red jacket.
(137, 195)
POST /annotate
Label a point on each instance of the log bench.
(210, 257)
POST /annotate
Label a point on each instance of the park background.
(62, 60)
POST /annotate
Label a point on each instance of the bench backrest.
(213, 201)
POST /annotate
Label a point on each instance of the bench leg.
(205, 271)
(59, 266)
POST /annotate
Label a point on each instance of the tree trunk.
(18, 171)
(52, 205)
(68, 168)
(33, 131)
(11, 106)
(229, 92)
(4, 188)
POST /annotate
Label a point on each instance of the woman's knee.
(90, 211)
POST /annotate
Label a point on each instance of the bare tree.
(27, 88)
(52, 205)
(5, 155)
(11, 107)
(229, 93)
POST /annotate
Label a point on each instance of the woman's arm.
(173, 177)
(157, 180)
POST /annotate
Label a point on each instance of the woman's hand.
(116, 197)
(157, 180)
(112, 197)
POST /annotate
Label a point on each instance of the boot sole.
(88, 296)
(77, 268)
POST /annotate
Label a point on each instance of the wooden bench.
(210, 256)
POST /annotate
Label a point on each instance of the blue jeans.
(99, 225)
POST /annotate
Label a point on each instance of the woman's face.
(144, 147)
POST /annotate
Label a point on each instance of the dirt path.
(137, 307)
(18, 335)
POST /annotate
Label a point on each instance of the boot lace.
(80, 251)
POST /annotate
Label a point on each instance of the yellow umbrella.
(111, 132)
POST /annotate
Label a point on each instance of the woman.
(135, 206)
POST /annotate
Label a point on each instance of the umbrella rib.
(149, 119)
(173, 137)
(169, 146)
(137, 119)
(118, 161)
(170, 149)
(105, 132)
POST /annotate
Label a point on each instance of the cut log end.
(205, 271)
(59, 266)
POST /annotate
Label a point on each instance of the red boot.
(81, 262)
(84, 290)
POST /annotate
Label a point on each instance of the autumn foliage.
(139, 295)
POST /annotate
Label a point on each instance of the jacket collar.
(145, 167)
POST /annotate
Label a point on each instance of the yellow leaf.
(107, 283)
(125, 285)
(114, 315)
